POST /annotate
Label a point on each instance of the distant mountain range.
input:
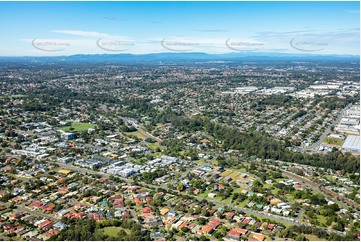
(170, 57)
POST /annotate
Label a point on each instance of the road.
(32, 212)
(3, 238)
(252, 212)
(315, 145)
(22, 208)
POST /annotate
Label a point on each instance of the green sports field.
(78, 127)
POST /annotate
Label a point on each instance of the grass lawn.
(13, 96)
(112, 231)
(234, 175)
(23, 178)
(78, 127)
(290, 198)
(259, 218)
(321, 219)
(244, 203)
(201, 161)
(136, 133)
(333, 141)
(243, 170)
(18, 96)
(275, 190)
(226, 173)
(313, 238)
(180, 238)
(267, 185)
(237, 190)
(205, 194)
(153, 146)
(227, 200)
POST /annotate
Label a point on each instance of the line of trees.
(262, 145)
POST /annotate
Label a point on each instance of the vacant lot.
(226, 173)
(137, 134)
(333, 141)
(234, 175)
(313, 237)
(112, 231)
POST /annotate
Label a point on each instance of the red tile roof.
(271, 226)
(36, 204)
(52, 232)
(236, 233)
(214, 223)
(147, 211)
(115, 197)
(184, 224)
(246, 221)
(49, 207)
(118, 202)
(46, 224)
(206, 229)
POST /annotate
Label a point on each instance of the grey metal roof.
(352, 142)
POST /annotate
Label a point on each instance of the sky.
(66, 28)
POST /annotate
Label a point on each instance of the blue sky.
(64, 28)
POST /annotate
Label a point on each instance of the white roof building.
(352, 143)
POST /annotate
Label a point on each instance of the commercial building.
(68, 136)
(88, 163)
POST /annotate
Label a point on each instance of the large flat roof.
(352, 142)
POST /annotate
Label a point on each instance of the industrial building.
(352, 144)
(349, 121)
(353, 113)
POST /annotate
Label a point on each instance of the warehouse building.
(349, 121)
(352, 144)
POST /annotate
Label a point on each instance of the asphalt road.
(315, 145)
(22, 208)
(3, 238)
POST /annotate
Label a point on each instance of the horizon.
(139, 28)
(243, 54)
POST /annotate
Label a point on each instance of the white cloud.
(81, 33)
(338, 41)
(89, 34)
(353, 11)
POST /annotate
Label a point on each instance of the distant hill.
(170, 57)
